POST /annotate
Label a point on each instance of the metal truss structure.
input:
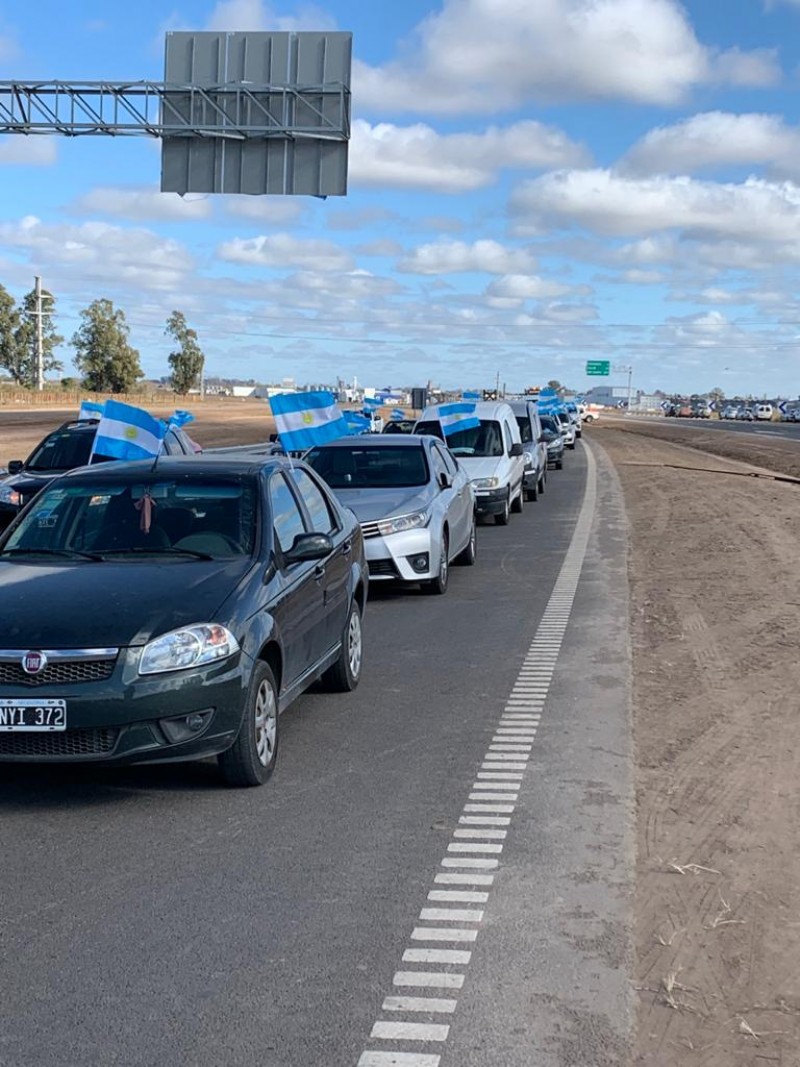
(233, 111)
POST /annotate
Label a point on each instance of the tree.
(27, 371)
(9, 326)
(108, 363)
(716, 395)
(187, 361)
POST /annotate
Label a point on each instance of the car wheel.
(532, 494)
(518, 503)
(438, 585)
(559, 464)
(504, 517)
(543, 481)
(571, 446)
(251, 758)
(345, 673)
(469, 554)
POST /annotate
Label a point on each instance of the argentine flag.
(90, 411)
(457, 417)
(127, 432)
(371, 402)
(470, 394)
(307, 419)
(356, 423)
(180, 418)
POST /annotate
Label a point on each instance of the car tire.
(532, 494)
(559, 464)
(504, 517)
(467, 556)
(438, 586)
(251, 758)
(543, 481)
(345, 674)
(571, 447)
(518, 503)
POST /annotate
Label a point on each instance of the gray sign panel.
(282, 105)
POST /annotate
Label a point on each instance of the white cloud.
(283, 251)
(417, 157)
(614, 205)
(456, 257)
(28, 151)
(96, 251)
(142, 205)
(644, 51)
(714, 139)
(238, 15)
(513, 290)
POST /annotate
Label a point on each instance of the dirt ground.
(715, 594)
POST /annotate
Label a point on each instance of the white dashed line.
(478, 839)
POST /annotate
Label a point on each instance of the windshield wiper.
(142, 550)
(65, 553)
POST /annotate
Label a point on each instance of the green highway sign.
(598, 366)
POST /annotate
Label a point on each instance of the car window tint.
(439, 465)
(62, 451)
(507, 435)
(525, 431)
(287, 519)
(433, 428)
(450, 460)
(319, 511)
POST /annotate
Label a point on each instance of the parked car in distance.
(763, 412)
(730, 411)
(554, 440)
(575, 418)
(590, 416)
(65, 448)
(534, 446)
(415, 504)
(567, 428)
(490, 453)
(172, 611)
(396, 426)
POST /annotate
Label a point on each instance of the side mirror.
(543, 438)
(515, 450)
(15, 466)
(309, 546)
(445, 481)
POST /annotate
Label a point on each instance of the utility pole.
(497, 385)
(39, 335)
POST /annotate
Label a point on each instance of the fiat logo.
(34, 662)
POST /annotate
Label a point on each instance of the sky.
(532, 184)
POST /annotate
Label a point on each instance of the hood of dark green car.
(111, 604)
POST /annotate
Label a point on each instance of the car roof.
(484, 409)
(199, 466)
(520, 406)
(380, 440)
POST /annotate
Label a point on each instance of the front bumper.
(119, 720)
(491, 501)
(390, 558)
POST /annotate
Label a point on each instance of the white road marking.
(428, 979)
(437, 955)
(437, 1005)
(476, 841)
(392, 1031)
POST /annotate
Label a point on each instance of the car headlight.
(191, 646)
(486, 483)
(402, 523)
(10, 496)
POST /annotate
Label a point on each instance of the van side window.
(507, 436)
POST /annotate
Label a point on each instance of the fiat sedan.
(171, 611)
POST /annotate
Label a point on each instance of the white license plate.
(32, 715)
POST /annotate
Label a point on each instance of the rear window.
(62, 450)
(370, 467)
(525, 432)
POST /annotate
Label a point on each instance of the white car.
(490, 453)
(567, 428)
(763, 412)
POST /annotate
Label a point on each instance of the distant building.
(606, 395)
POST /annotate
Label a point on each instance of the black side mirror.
(15, 466)
(445, 481)
(543, 438)
(309, 546)
(515, 450)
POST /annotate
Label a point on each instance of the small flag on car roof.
(456, 417)
(89, 410)
(307, 419)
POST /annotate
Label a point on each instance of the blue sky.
(533, 183)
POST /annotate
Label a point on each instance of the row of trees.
(104, 356)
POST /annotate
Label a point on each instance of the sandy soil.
(715, 595)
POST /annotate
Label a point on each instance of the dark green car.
(170, 611)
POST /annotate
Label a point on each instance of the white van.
(763, 412)
(491, 454)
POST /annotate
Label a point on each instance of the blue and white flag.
(127, 432)
(397, 414)
(91, 411)
(356, 422)
(548, 393)
(307, 419)
(456, 417)
(470, 394)
(371, 402)
(180, 418)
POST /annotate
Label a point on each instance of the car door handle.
(319, 571)
(347, 547)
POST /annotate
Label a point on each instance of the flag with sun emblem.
(127, 432)
(307, 419)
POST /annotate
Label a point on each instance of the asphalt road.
(787, 430)
(150, 917)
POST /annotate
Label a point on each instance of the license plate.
(32, 715)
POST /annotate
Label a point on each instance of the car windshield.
(370, 467)
(563, 418)
(483, 440)
(433, 428)
(205, 518)
(525, 431)
(62, 450)
(549, 423)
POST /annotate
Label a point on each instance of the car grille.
(58, 672)
(64, 743)
(370, 529)
(382, 568)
